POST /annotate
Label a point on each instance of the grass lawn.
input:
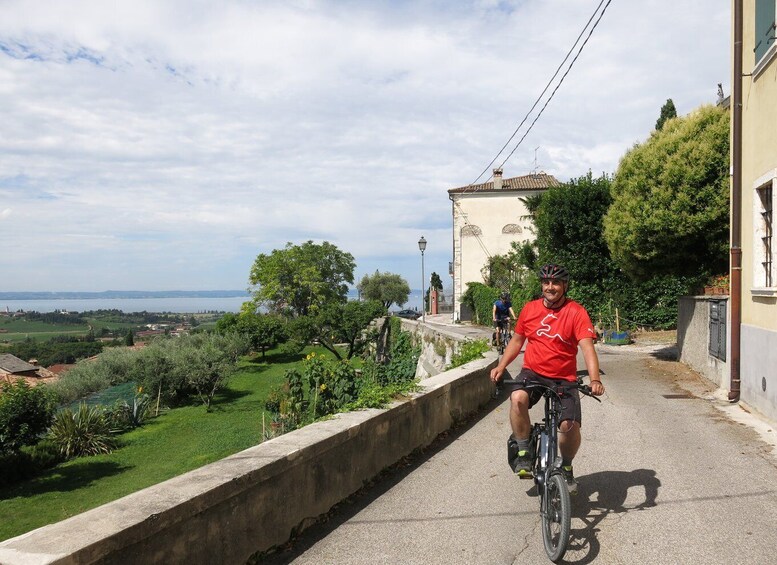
(178, 441)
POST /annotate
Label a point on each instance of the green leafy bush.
(113, 366)
(27, 462)
(43, 455)
(470, 350)
(85, 431)
(25, 413)
(327, 384)
(481, 299)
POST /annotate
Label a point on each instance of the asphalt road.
(668, 473)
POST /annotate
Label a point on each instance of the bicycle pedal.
(525, 475)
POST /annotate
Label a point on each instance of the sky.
(164, 145)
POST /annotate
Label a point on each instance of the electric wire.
(536, 102)
(552, 94)
(547, 86)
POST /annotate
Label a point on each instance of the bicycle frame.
(545, 438)
(555, 504)
(502, 334)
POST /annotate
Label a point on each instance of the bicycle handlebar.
(583, 388)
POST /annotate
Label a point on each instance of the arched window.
(471, 230)
(512, 228)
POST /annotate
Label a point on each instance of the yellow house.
(487, 219)
(754, 182)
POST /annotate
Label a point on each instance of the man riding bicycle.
(554, 327)
(502, 312)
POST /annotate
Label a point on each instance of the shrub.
(25, 413)
(481, 299)
(469, 351)
(113, 366)
(403, 360)
(83, 432)
(43, 455)
(276, 395)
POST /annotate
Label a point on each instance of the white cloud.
(164, 145)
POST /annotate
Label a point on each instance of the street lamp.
(422, 247)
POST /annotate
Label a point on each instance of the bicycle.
(555, 503)
(503, 334)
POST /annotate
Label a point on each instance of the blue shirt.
(503, 308)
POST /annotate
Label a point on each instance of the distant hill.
(122, 294)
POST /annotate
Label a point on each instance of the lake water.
(178, 305)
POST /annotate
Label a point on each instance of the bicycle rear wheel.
(556, 517)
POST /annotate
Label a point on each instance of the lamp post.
(422, 247)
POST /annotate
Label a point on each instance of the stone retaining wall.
(254, 500)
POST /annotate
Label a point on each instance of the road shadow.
(668, 353)
(601, 494)
(377, 487)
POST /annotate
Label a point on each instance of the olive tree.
(263, 331)
(387, 288)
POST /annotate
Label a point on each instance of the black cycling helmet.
(505, 296)
(553, 271)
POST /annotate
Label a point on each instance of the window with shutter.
(764, 236)
(764, 27)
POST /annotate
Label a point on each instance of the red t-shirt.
(552, 337)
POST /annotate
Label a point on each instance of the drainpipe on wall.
(454, 316)
(736, 207)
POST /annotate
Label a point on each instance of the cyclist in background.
(554, 326)
(502, 312)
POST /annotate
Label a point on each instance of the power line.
(536, 102)
(547, 86)
(552, 94)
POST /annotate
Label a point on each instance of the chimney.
(497, 179)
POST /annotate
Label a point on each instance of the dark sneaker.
(570, 478)
(522, 465)
(519, 459)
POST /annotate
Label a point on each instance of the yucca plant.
(83, 432)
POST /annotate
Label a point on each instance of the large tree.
(302, 279)
(670, 210)
(568, 222)
(387, 288)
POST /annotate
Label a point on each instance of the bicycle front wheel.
(556, 517)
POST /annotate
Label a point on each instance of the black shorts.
(570, 398)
